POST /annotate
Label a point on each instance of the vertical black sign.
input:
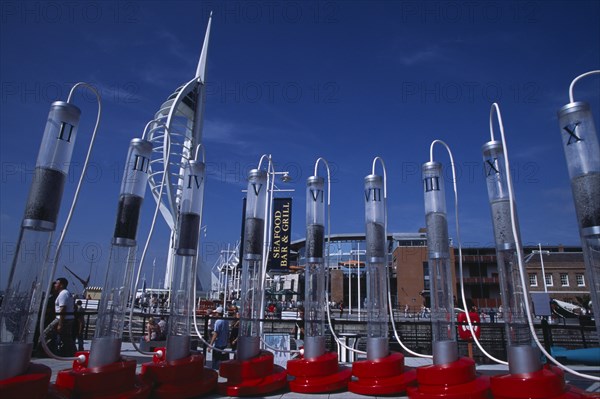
(241, 254)
(281, 234)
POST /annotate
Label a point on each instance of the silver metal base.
(35, 224)
(248, 347)
(523, 359)
(314, 347)
(445, 352)
(178, 347)
(104, 351)
(15, 358)
(377, 348)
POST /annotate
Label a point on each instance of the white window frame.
(566, 277)
(578, 278)
(549, 280)
(533, 280)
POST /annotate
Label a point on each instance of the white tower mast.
(181, 115)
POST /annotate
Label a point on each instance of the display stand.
(178, 379)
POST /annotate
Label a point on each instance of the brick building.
(409, 278)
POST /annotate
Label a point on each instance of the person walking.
(64, 306)
(235, 331)
(219, 339)
(79, 324)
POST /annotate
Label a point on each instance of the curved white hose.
(519, 250)
(460, 263)
(572, 85)
(81, 359)
(339, 342)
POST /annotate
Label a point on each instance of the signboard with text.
(281, 234)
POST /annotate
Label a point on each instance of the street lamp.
(542, 263)
(540, 252)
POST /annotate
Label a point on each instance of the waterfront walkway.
(129, 351)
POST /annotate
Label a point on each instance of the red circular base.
(382, 376)
(33, 383)
(318, 375)
(456, 380)
(547, 383)
(183, 390)
(252, 377)
(179, 379)
(476, 389)
(116, 380)
(458, 372)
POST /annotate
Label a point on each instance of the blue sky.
(344, 80)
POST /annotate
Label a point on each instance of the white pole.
(358, 266)
(153, 267)
(350, 287)
(225, 281)
(543, 271)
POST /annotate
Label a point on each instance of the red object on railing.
(464, 332)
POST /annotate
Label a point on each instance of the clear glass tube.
(523, 355)
(182, 294)
(440, 272)
(376, 239)
(251, 294)
(106, 344)
(21, 305)
(314, 274)
(582, 153)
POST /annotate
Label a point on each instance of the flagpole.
(153, 267)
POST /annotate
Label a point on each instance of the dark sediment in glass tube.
(502, 222)
(45, 195)
(375, 240)
(437, 232)
(188, 232)
(253, 236)
(586, 192)
(128, 215)
(314, 240)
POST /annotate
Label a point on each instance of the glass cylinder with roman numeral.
(182, 284)
(106, 344)
(314, 274)
(376, 239)
(24, 292)
(523, 353)
(445, 348)
(582, 152)
(252, 287)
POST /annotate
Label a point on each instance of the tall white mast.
(181, 115)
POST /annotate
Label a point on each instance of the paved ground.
(128, 350)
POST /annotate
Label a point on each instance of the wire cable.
(519, 250)
(59, 244)
(460, 258)
(572, 85)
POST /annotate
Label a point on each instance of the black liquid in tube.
(375, 240)
(586, 191)
(188, 232)
(314, 240)
(437, 232)
(45, 195)
(128, 215)
(253, 236)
